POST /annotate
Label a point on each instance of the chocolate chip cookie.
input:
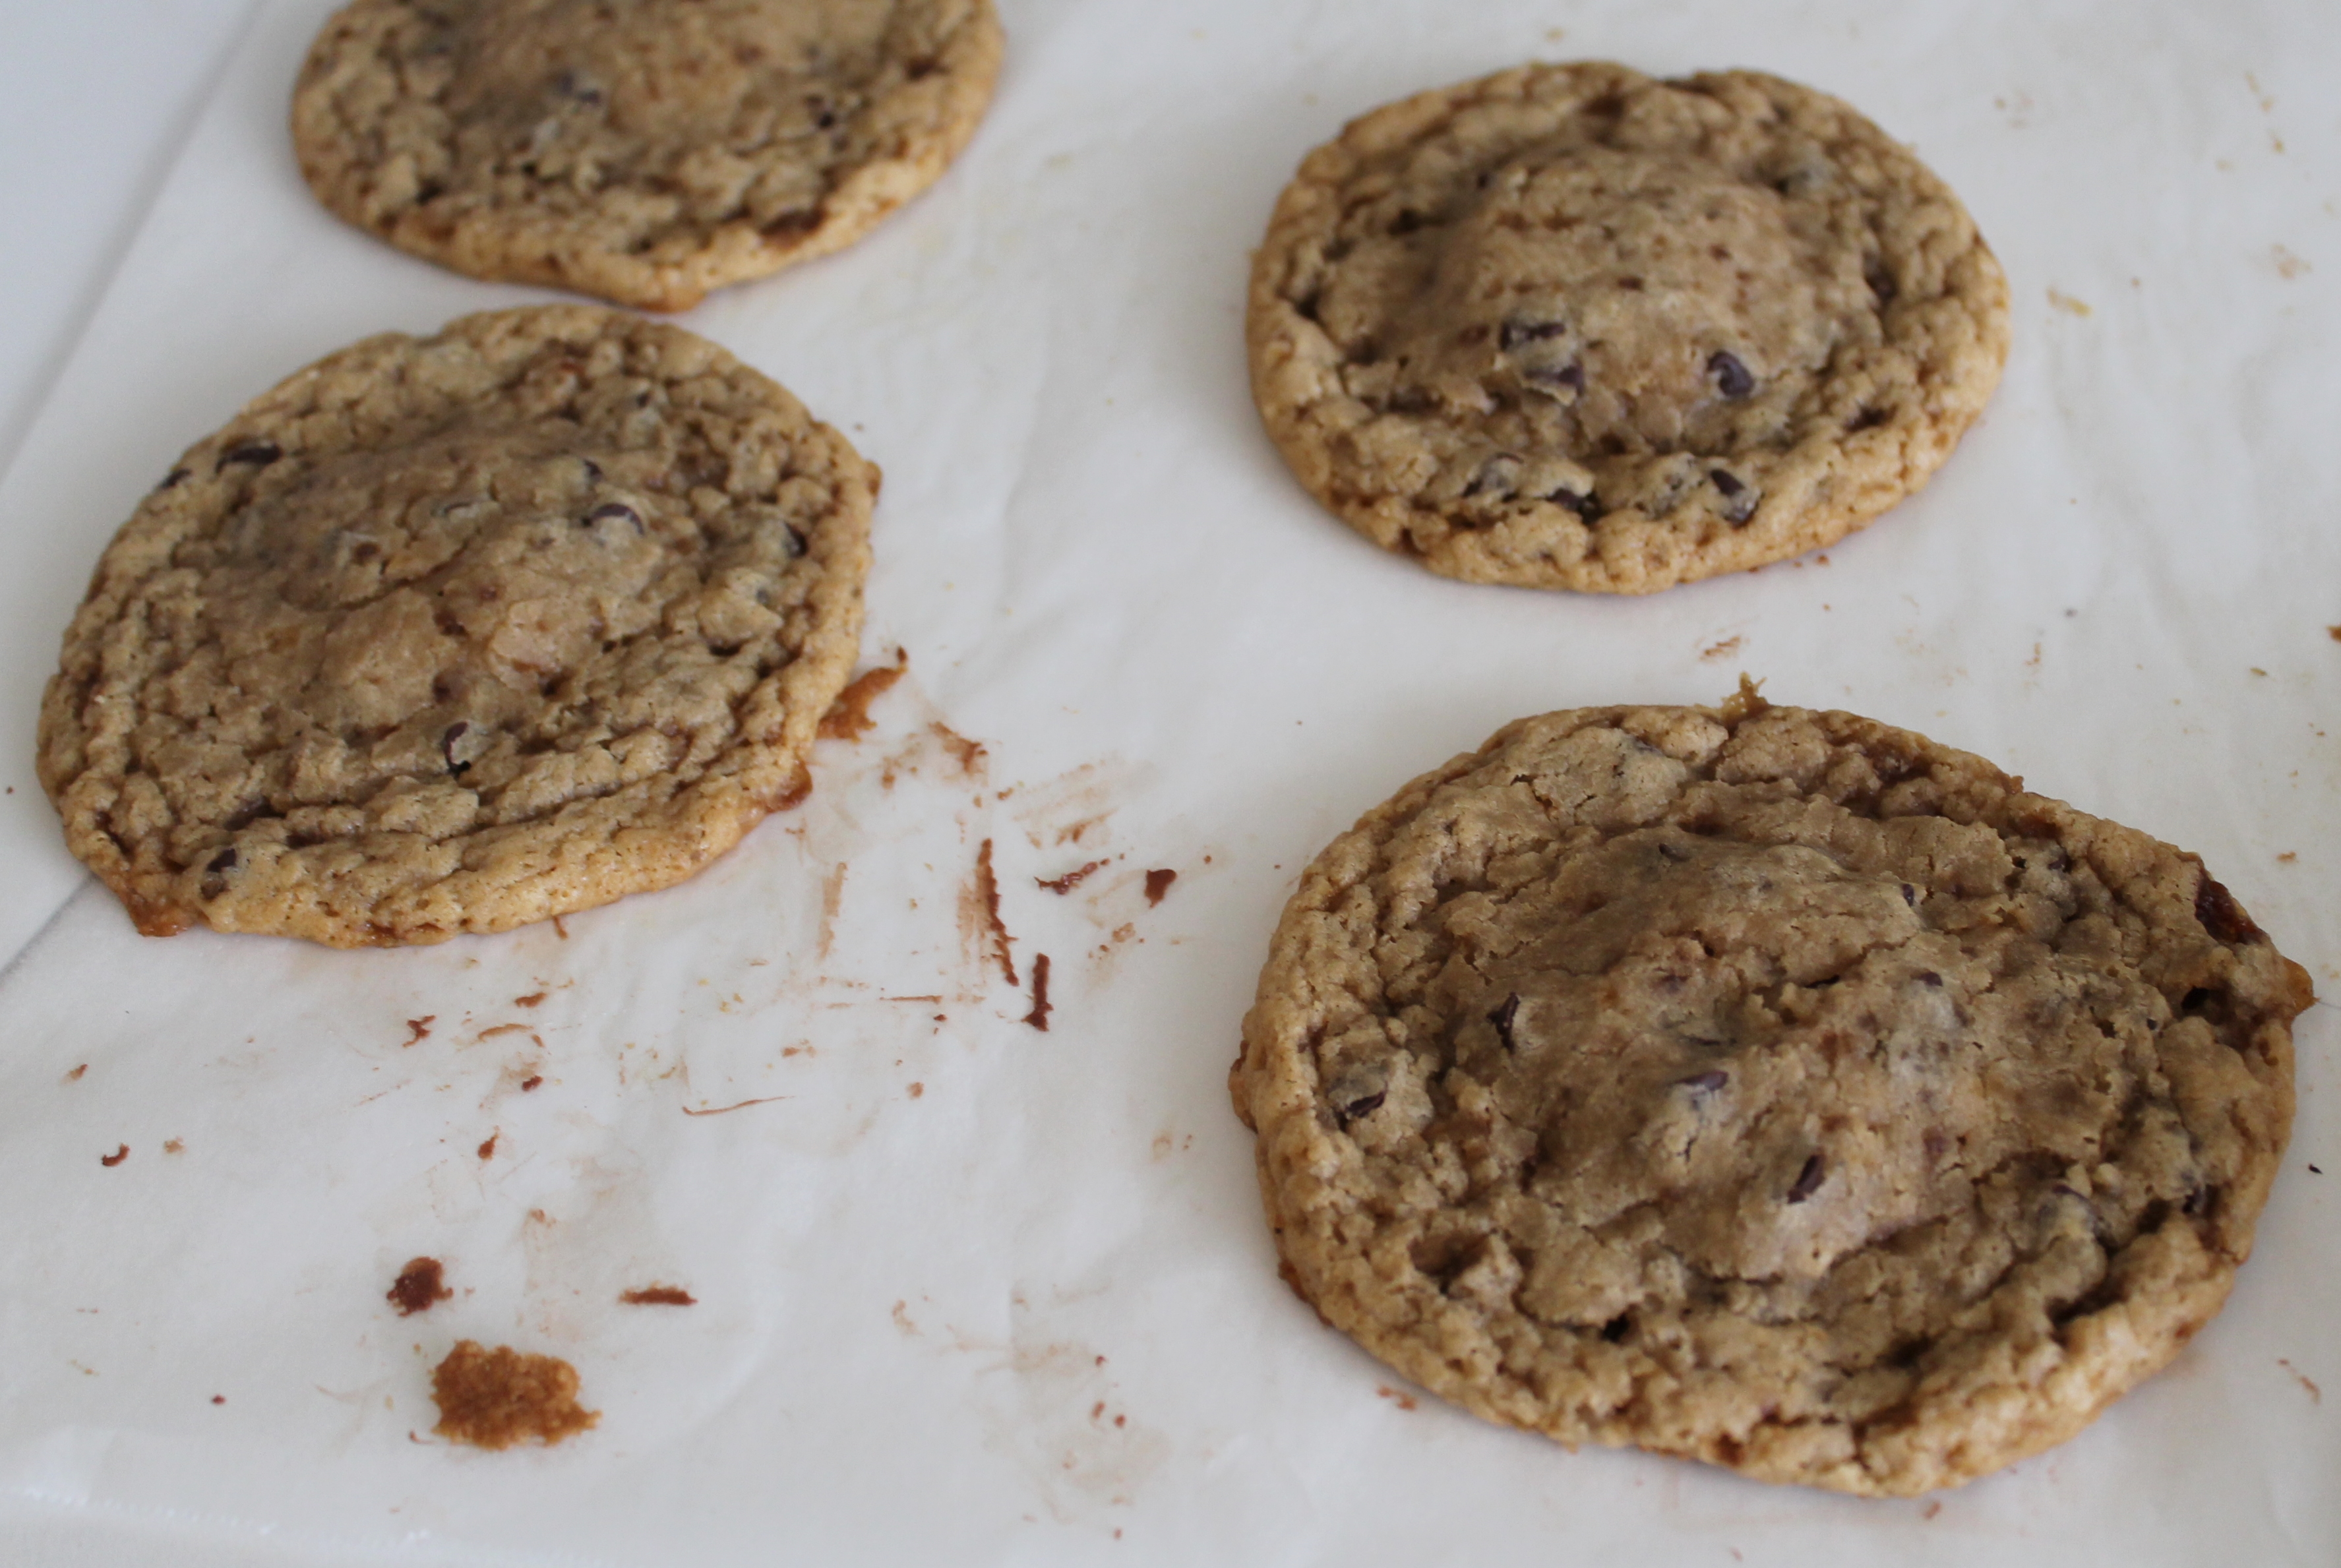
(1769, 1087)
(1570, 327)
(646, 151)
(452, 633)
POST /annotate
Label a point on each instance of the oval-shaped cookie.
(646, 151)
(1567, 326)
(1769, 1087)
(451, 633)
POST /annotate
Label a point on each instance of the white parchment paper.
(966, 1291)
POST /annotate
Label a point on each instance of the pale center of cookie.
(1647, 299)
(1771, 1058)
(651, 70)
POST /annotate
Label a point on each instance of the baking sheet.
(967, 1290)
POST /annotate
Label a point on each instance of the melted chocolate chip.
(2221, 916)
(1875, 273)
(222, 862)
(259, 452)
(1725, 481)
(1518, 333)
(1584, 506)
(1496, 476)
(1731, 378)
(455, 732)
(1809, 1180)
(1867, 419)
(1706, 1083)
(593, 470)
(1909, 894)
(173, 480)
(2199, 1201)
(1502, 1017)
(1930, 978)
(1618, 1327)
(1570, 375)
(1363, 1106)
(615, 509)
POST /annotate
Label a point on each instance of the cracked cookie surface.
(1769, 1087)
(645, 151)
(1569, 326)
(455, 633)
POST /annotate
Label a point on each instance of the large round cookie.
(646, 151)
(1768, 1088)
(448, 634)
(1570, 327)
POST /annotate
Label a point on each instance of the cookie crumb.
(420, 1285)
(659, 1295)
(1746, 703)
(115, 1158)
(497, 1398)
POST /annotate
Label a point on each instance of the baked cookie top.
(646, 151)
(1570, 327)
(1770, 1087)
(453, 633)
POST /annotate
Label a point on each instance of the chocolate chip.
(2199, 1201)
(455, 732)
(1618, 1327)
(593, 470)
(615, 509)
(173, 480)
(1630, 283)
(2196, 1001)
(259, 452)
(1909, 894)
(1502, 1017)
(1867, 419)
(1584, 506)
(222, 862)
(1706, 1083)
(1363, 1106)
(1496, 476)
(1570, 375)
(1880, 279)
(2221, 916)
(1929, 978)
(1725, 481)
(1809, 1180)
(1730, 376)
(1518, 334)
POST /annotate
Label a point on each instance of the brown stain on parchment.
(980, 927)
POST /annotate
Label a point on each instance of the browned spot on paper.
(2288, 857)
(531, 1082)
(115, 1158)
(1405, 1401)
(1723, 649)
(2333, 633)
(739, 1106)
(2288, 266)
(174, 1146)
(1158, 883)
(420, 1283)
(970, 754)
(848, 717)
(504, 1029)
(420, 1027)
(560, 928)
(1069, 880)
(75, 1077)
(979, 911)
(488, 1148)
(2068, 303)
(659, 1295)
(500, 1397)
(1930, 1511)
(2315, 1395)
(219, 1399)
(532, 1000)
(1039, 1016)
(917, 1090)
